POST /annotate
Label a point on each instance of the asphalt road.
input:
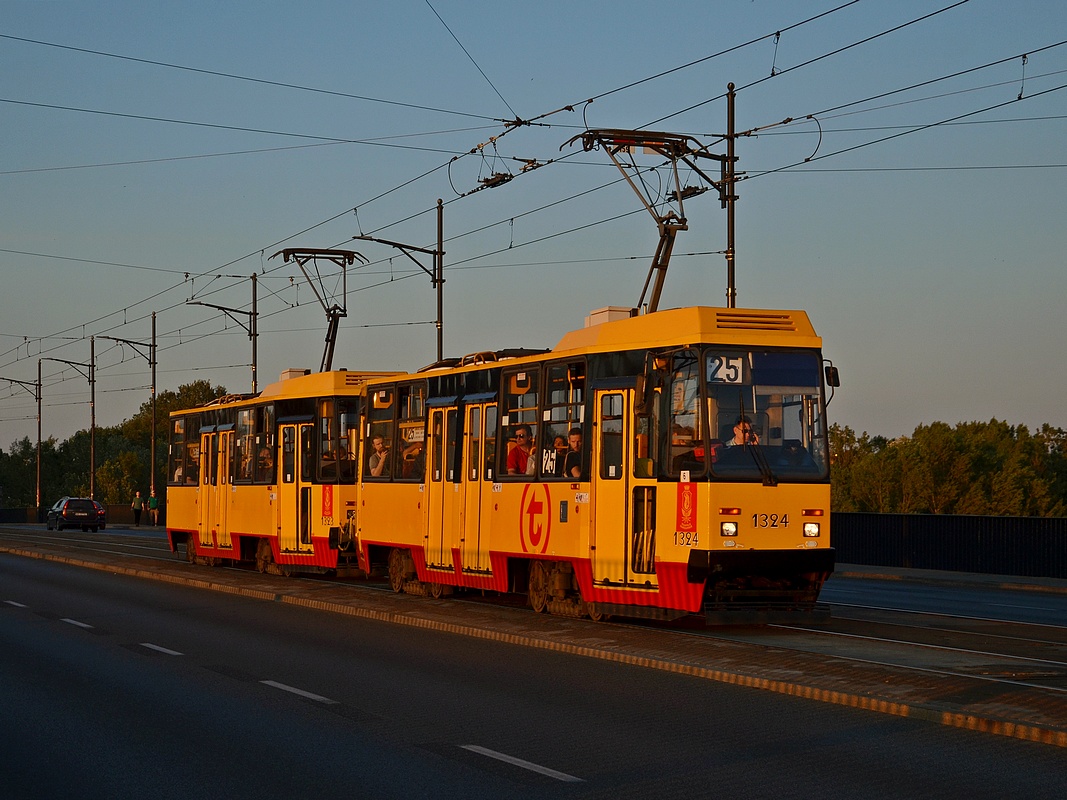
(117, 687)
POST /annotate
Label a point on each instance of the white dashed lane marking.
(292, 689)
(518, 762)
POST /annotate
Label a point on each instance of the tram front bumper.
(715, 566)
(758, 587)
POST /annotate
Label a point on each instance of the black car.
(74, 512)
(101, 514)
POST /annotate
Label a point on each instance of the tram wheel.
(190, 550)
(437, 590)
(264, 556)
(397, 570)
(538, 588)
(595, 613)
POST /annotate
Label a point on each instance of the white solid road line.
(518, 762)
(159, 649)
(285, 688)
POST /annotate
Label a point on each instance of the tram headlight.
(728, 529)
(811, 529)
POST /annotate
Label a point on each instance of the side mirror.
(833, 379)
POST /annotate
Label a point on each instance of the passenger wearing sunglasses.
(519, 461)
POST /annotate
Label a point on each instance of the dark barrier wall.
(1030, 546)
(17, 515)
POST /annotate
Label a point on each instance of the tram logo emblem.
(687, 507)
(535, 518)
(327, 500)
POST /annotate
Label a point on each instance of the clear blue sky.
(150, 148)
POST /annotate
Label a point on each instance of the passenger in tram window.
(413, 461)
(744, 433)
(379, 458)
(572, 466)
(559, 444)
(519, 461)
(348, 470)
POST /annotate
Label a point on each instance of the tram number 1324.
(770, 520)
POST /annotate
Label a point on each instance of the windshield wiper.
(756, 449)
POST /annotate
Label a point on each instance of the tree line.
(984, 468)
(123, 456)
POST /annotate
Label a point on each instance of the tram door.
(623, 495)
(294, 489)
(444, 502)
(480, 436)
(208, 491)
(222, 488)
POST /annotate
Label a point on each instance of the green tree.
(138, 429)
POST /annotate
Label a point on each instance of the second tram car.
(647, 466)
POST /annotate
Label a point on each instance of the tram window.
(244, 446)
(453, 454)
(379, 443)
(490, 441)
(307, 452)
(177, 468)
(520, 423)
(337, 432)
(229, 459)
(564, 413)
(288, 454)
(264, 450)
(644, 464)
(436, 442)
(264, 444)
(611, 444)
(686, 425)
(348, 439)
(213, 461)
(474, 438)
(410, 463)
(192, 462)
(328, 440)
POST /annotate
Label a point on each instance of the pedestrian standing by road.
(153, 508)
(138, 506)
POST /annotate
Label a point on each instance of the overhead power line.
(235, 77)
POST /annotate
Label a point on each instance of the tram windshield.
(765, 415)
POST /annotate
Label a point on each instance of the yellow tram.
(656, 466)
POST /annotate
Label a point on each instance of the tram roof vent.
(755, 320)
(607, 314)
(289, 374)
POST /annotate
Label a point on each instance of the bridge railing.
(1025, 546)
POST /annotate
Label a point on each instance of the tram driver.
(744, 433)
